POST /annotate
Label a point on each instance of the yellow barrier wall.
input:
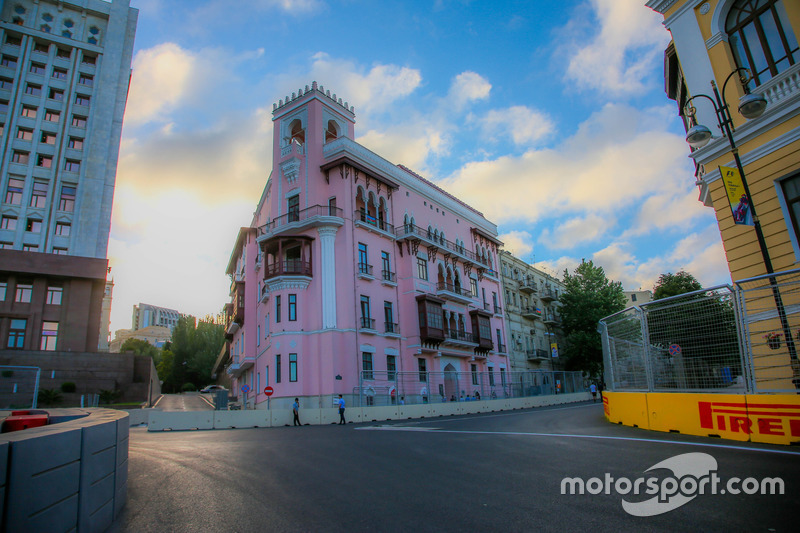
(773, 419)
(628, 408)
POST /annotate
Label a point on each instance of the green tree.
(141, 347)
(195, 347)
(588, 297)
(164, 369)
(670, 284)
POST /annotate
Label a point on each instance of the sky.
(548, 117)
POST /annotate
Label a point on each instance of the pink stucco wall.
(329, 341)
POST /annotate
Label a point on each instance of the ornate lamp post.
(750, 106)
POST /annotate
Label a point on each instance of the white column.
(327, 237)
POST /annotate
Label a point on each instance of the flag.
(740, 203)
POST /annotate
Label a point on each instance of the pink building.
(359, 277)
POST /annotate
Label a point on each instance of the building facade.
(64, 73)
(155, 335)
(637, 298)
(356, 271)
(532, 318)
(713, 41)
(145, 315)
(710, 40)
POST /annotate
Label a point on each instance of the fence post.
(608, 368)
(648, 369)
(743, 330)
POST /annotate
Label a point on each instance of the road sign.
(245, 388)
(674, 350)
(268, 391)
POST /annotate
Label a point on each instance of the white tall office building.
(65, 67)
(64, 76)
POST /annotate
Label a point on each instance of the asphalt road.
(493, 472)
(188, 401)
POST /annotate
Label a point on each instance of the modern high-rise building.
(360, 277)
(146, 315)
(64, 75)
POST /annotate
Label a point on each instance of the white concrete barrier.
(180, 420)
(241, 419)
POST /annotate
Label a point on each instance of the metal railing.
(389, 276)
(391, 327)
(408, 230)
(294, 217)
(365, 268)
(381, 387)
(455, 289)
(722, 339)
(288, 267)
(367, 323)
(362, 216)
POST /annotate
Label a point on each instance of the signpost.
(268, 391)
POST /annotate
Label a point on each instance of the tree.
(670, 284)
(140, 347)
(588, 297)
(194, 349)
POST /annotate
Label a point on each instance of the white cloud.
(372, 90)
(618, 58)
(519, 243)
(619, 157)
(522, 124)
(410, 145)
(468, 87)
(577, 230)
(160, 78)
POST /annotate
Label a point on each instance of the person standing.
(593, 390)
(341, 410)
(296, 412)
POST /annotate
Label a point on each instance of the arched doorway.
(450, 383)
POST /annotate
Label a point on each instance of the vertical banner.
(740, 206)
(554, 349)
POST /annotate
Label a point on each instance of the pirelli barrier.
(773, 418)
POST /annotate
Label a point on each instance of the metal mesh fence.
(19, 386)
(382, 388)
(770, 318)
(723, 339)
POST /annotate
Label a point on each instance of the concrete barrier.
(137, 417)
(66, 476)
(180, 420)
(241, 419)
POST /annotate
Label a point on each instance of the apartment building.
(357, 272)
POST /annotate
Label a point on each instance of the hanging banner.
(554, 349)
(740, 206)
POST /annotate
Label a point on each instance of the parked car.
(212, 388)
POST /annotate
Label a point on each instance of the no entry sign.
(268, 391)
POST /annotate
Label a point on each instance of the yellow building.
(710, 40)
(713, 42)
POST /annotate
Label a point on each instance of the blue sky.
(549, 117)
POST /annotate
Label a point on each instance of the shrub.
(188, 387)
(49, 397)
(109, 396)
(68, 386)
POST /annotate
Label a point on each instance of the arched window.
(761, 38)
(332, 131)
(297, 132)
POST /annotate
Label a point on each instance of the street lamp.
(750, 106)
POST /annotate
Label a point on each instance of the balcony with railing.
(527, 286)
(239, 366)
(409, 231)
(461, 339)
(452, 292)
(498, 310)
(551, 318)
(288, 267)
(362, 219)
(365, 271)
(531, 313)
(548, 295)
(391, 328)
(368, 325)
(501, 348)
(299, 220)
(388, 277)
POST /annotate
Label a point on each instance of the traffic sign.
(245, 388)
(268, 391)
(674, 350)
